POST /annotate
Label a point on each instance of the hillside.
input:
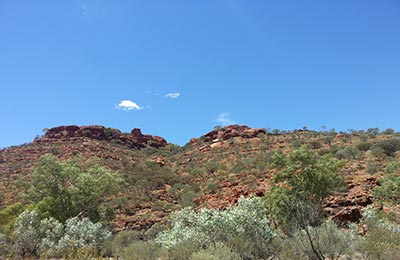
(211, 171)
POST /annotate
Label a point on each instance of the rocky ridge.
(133, 140)
(227, 146)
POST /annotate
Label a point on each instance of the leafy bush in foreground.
(244, 228)
(34, 237)
(324, 242)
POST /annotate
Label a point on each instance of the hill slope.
(211, 171)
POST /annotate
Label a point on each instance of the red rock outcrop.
(348, 207)
(232, 131)
(133, 140)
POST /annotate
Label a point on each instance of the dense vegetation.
(68, 209)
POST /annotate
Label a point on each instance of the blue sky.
(275, 64)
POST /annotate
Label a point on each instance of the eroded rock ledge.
(135, 139)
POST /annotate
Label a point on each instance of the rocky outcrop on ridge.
(133, 140)
(230, 132)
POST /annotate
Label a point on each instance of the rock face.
(133, 140)
(231, 131)
(348, 207)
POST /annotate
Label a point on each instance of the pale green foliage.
(52, 231)
(245, 224)
(4, 245)
(382, 240)
(82, 233)
(27, 235)
(33, 236)
(324, 242)
(64, 190)
(348, 153)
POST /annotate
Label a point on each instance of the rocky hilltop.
(230, 132)
(133, 140)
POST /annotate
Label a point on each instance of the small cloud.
(173, 95)
(127, 105)
(225, 119)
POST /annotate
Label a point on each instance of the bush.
(4, 246)
(388, 190)
(246, 223)
(324, 242)
(315, 144)
(218, 251)
(382, 240)
(82, 233)
(393, 167)
(389, 146)
(372, 168)
(8, 217)
(142, 250)
(348, 153)
(27, 235)
(363, 146)
(123, 239)
(34, 237)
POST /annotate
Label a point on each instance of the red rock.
(230, 132)
(133, 140)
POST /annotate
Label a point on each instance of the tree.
(304, 181)
(64, 190)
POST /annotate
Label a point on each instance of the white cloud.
(127, 105)
(225, 119)
(173, 95)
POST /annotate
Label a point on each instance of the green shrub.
(83, 233)
(245, 222)
(393, 167)
(8, 217)
(5, 246)
(27, 235)
(377, 151)
(372, 168)
(297, 143)
(324, 242)
(363, 146)
(123, 239)
(48, 237)
(382, 240)
(314, 144)
(388, 190)
(389, 146)
(183, 250)
(142, 250)
(348, 153)
(218, 251)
